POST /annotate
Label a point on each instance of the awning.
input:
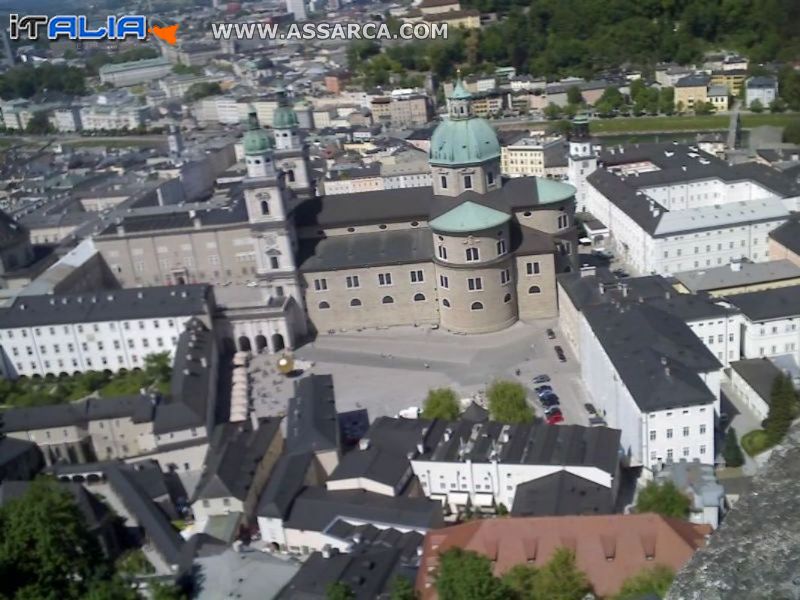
(485, 500)
(458, 498)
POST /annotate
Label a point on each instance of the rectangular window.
(505, 276)
(467, 182)
(669, 455)
(442, 252)
(702, 449)
(320, 285)
(685, 432)
(444, 182)
(384, 279)
(501, 247)
(444, 282)
(352, 282)
(474, 284)
(417, 276)
(702, 429)
(472, 254)
(532, 268)
(669, 434)
(273, 262)
(652, 435)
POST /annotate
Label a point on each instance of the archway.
(277, 342)
(261, 343)
(244, 344)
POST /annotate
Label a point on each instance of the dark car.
(543, 388)
(560, 353)
(553, 408)
(549, 400)
(551, 335)
(590, 408)
(541, 379)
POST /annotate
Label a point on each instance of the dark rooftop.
(559, 494)
(775, 303)
(759, 373)
(312, 423)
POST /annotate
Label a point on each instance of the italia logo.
(76, 27)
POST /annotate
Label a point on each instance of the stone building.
(473, 253)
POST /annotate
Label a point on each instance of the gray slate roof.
(560, 494)
(759, 373)
(192, 390)
(788, 235)
(116, 305)
(655, 353)
(288, 477)
(233, 457)
(718, 278)
(764, 305)
(312, 421)
(376, 464)
(317, 508)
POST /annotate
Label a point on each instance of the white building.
(297, 8)
(763, 89)
(66, 119)
(527, 155)
(135, 72)
(649, 376)
(673, 208)
(771, 325)
(105, 330)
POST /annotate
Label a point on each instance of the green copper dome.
(284, 118)
(256, 140)
(463, 142)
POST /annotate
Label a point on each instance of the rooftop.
(562, 493)
(737, 275)
(770, 304)
(312, 422)
(759, 373)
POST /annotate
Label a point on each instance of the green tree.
(552, 111)
(782, 408)
(703, 108)
(612, 98)
(467, 575)
(39, 124)
(777, 106)
(574, 95)
(663, 498)
(666, 100)
(202, 89)
(653, 581)
(508, 403)
(521, 580)
(111, 589)
(339, 591)
(756, 106)
(502, 510)
(402, 589)
(731, 451)
(158, 366)
(441, 403)
(46, 550)
(165, 591)
(791, 133)
(560, 579)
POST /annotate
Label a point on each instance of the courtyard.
(388, 370)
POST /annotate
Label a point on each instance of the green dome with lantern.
(462, 138)
(285, 118)
(256, 140)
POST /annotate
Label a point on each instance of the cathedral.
(473, 253)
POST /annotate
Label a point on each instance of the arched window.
(387, 300)
(446, 303)
(534, 289)
(324, 305)
(507, 298)
(355, 302)
(476, 306)
(264, 207)
(419, 297)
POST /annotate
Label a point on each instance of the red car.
(554, 417)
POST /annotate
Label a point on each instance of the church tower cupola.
(258, 149)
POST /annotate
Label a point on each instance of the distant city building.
(692, 90)
(135, 72)
(297, 8)
(764, 89)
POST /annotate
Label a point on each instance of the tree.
(402, 589)
(441, 403)
(653, 581)
(560, 579)
(467, 575)
(777, 106)
(46, 550)
(521, 579)
(791, 133)
(39, 124)
(574, 95)
(339, 591)
(164, 591)
(502, 510)
(703, 108)
(158, 366)
(612, 98)
(731, 451)
(666, 100)
(202, 89)
(782, 408)
(756, 106)
(508, 403)
(112, 589)
(663, 498)
(552, 111)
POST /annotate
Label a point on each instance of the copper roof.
(608, 548)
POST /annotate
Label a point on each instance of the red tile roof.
(608, 548)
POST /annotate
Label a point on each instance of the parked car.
(560, 353)
(541, 379)
(549, 400)
(543, 388)
(551, 335)
(553, 408)
(554, 418)
(590, 408)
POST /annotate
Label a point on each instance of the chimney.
(736, 266)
